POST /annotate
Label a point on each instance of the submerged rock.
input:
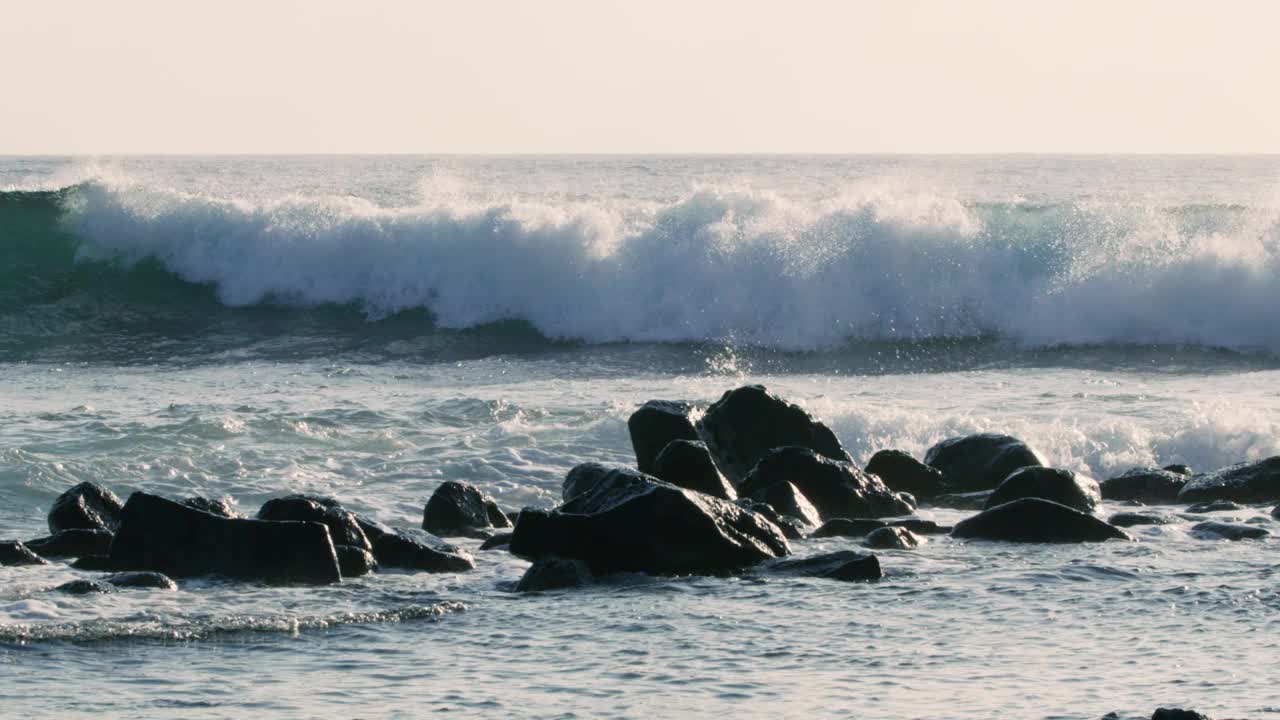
(553, 573)
(84, 587)
(1152, 486)
(342, 524)
(152, 580)
(1178, 714)
(844, 565)
(73, 543)
(165, 536)
(1229, 531)
(1255, 482)
(835, 488)
(85, 506)
(980, 462)
(745, 424)
(1036, 520)
(1130, 519)
(787, 499)
(634, 522)
(13, 552)
(902, 472)
(1215, 506)
(498, 540)
(1275, 512)
(221, 508)
(963, 501)
(460, 509)
(688, 464)
(892, 538)
(1060, 486)
(655, 426)
(858, 527)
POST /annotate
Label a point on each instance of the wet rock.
(1147, 485)
(1060, 486)
(633, 522)
(151, 580)
(355, 561)
(498, 540)
(792, 528)
(95, 563)
(459, 509)
(835, 488)
(1229, 531)
(1215, 506)
(86, 506)
(1178, 468)
(1275, 512)
(584, 477)
(1256, 482)
(745, 424)
(848, 527)
(963, 501)
(688, 464)
(902, 472)
(844, 565)
(344, 529)
(165, 536)
(84, 587)
(1130, 519)
(1178, 714)
(654, 426)
(553, 573)
(417, 550)
(920, 526)
(892, 538)
(221, 508)
(787, 499)
(1036, 520)
(73, 543)
(13, 552)
(980, 462)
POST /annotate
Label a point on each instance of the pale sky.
(648, 76)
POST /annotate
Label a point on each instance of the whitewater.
(370, 327)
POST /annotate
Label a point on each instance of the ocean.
(368, 327)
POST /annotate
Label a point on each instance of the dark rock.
(792, 529)
(1130, 519)
(1275, 512)
(835, 488)
(553, 573)
(153, 580)
(1229, 531)
(745, 424)
(1256, 482)
(344, 529)
(459, 509)
(1060, 486)
(355, 561)
(221, 508)
(1215, 506)
(845, 565)
(848, 527)
(634, 522)
(84, 587)
(416, 550)
(1036, 520)
(583, 478)
(86, 506)
(95, 563)
(1178, 714)
(787, 499)
(980, 462)
(688, 464)
(13, 552)
(499, 540)
(892, 538)
(1148, 485)
(165, 536)
(72, 543)
(963, 501)
(1178, 469)
(654, 426)
(902, 472)
(919, 526)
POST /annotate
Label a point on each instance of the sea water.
(369, 327)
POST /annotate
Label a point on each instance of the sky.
(647, 76)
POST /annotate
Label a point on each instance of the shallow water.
(151, 380)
